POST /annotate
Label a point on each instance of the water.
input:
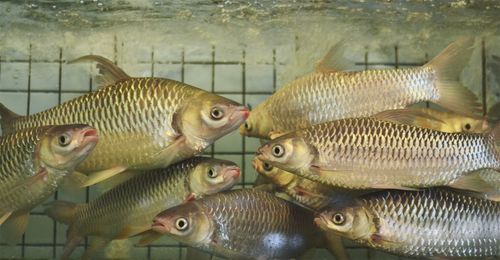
(240, 49)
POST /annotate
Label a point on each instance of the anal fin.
(97, 177)
(148, 237)
(13, 228)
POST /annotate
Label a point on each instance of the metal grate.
(30, 248)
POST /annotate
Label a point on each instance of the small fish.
(33, 163)
(425, 223)
(127, 209)
(451, 122)
(144, 123)
(309, 193)
(242, 224)
(364, 153)
(330, 93)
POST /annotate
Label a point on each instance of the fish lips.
(321, 221)
(239, 115)
(160, 226)
(233, 172)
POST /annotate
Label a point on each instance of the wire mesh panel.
(29, 84)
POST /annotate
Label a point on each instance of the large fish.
(127, 209)
(364, 153)
(144, 123)
(329, 93)
(426, 223)
(242, 224)
(33, 162)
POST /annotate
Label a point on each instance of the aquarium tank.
(241, 50)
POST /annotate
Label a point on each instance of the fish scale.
(436, 223)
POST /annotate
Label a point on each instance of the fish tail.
(7, 117)
(447, 67)
(61, 211)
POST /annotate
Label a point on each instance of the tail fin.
(448, 65)
(61, 211)
(7, 116)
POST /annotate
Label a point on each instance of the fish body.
(426, 223)
(144, 123)
(327, 95)
(363, 153)
(127, 209)
(34, 161)
(241, 224)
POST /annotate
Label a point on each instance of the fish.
(424, 223)
(242, 224)
(144, 123)
(329, 93)
(127, 209)
(33, 163)
(381, 153)
(452, 122)
(309, 193)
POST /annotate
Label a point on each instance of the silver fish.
(364, 153)
(242, 224)
(33, 163)
(426, 223)
(329, 94)
(127, 209)
(144, 123)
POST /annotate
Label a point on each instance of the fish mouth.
(321, 221)
(256, 164)
(240, 114)
(158, 226)
(233, 172)
(89, 135)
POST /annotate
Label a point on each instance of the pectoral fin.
(13, 228)
(97, 177)
(474, 182)
(5, 217)
(148, 237)
(172, 153)
(408, 117)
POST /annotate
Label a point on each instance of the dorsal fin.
(406, 116)
(109, 72)
(334, 59)
(7, 116)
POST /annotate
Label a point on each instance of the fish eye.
(212, 173)
(267, 167)
(181, 224)
(216, 113)
(64, 140)
(247, 126)
(338, 219)
(278, 150)
(467, 126)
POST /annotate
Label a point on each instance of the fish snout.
(257, 164)
(159, 225)
(233, 172)
(240, 114)
(89, 135)
(321, 221)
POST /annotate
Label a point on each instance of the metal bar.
(274, 70)
(366, 58)
(174, 62)
(152, 62)
(85, 92)
(212, 88)
(396, 57)
(244, 90)
(483, 77)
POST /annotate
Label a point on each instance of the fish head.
(289, 152)
(277, 175)
(472, 125)
(214, 176)
(65, 146)
(187, 223)
(351, 222)
(258, 124)
(211, 117)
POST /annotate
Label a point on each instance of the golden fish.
(33, 162)
(144, 123)
(127, 209)
(330, 94)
